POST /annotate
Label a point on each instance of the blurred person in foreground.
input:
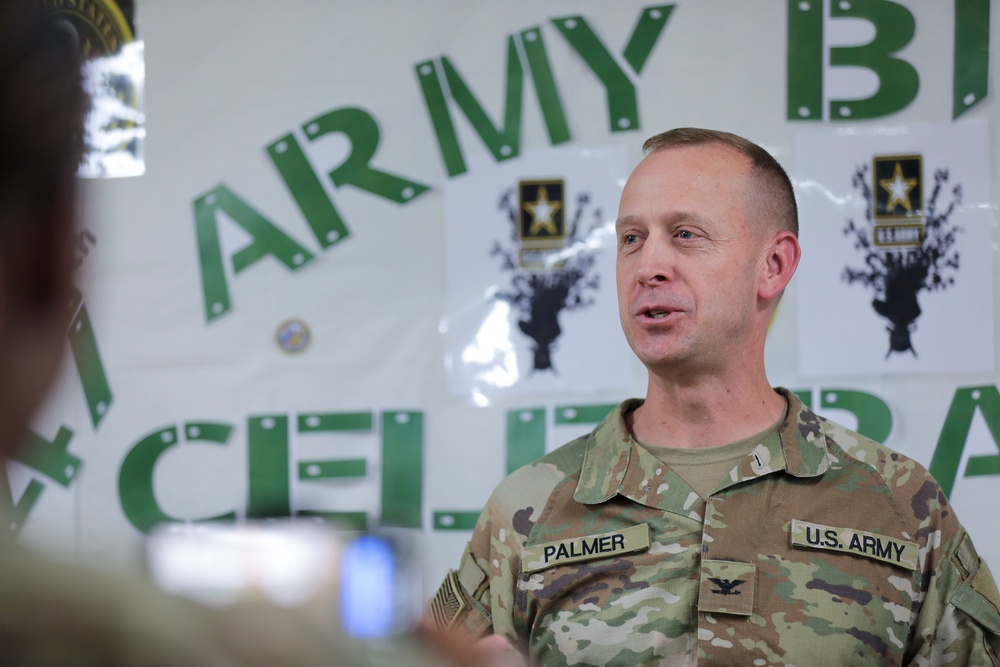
(55, 614)
(719, 521)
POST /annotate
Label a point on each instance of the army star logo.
(897, 182)
(543, 214)
(726, 586)
(908, 244)
(898, 189)
(551, 263)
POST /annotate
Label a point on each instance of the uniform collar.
(803, 439)
(615, 464)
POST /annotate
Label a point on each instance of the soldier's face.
(688, 259)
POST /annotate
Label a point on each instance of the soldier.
(720, 521)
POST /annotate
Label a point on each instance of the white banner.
(279, 316)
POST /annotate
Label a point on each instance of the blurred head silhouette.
(42, 107)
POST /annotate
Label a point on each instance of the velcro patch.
(726, 587)
(857, 542)
(984, 584)
(448, 605)
(591, 547)
(470, 577)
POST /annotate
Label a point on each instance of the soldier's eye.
(629, 239)
(685, 234)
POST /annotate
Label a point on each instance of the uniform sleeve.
(959, 621)
(462, 600)
(485, 595)
(478, 597)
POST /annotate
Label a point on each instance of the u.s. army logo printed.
(897, 185)
(553, 268)
(908, 243)
(541, 227)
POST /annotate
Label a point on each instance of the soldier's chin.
(662, 359)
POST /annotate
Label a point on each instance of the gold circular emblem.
(99, 25)
(293, 336)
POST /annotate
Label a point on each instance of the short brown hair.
(771, 197)
(42, 103)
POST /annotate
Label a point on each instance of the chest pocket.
(604, 599)
(848, 592)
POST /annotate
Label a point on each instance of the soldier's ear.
(778, 263)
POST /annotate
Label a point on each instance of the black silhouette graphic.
(898, 275)
(726, 586)
(540, 296)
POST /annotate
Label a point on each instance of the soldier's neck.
(704, 411)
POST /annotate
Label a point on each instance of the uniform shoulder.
(521, 498)
(533, 483)
(858, 448)
(917, 493)
(567, 461)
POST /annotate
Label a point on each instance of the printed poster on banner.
(532, 304)
(896, 275)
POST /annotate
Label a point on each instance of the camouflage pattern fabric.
(821, 548)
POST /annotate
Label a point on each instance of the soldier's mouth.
(658, 314)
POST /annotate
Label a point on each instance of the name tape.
(590, 547)
(857, 542)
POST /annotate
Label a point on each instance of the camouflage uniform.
(821, 548)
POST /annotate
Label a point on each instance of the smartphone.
(369, 582)
(380, 591)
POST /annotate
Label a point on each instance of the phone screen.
(368, 573)
(373, 579)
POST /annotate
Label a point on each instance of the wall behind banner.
(298, 161)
